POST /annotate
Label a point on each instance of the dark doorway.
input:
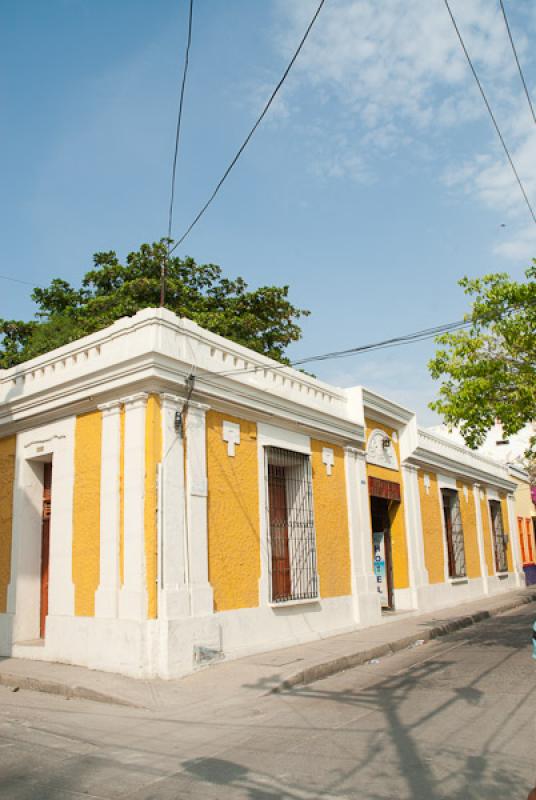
(382, 550)
(45, 545)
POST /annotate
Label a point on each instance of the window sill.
(458, 581)
(286, 603)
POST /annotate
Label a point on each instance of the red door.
(45, 546)
(277, 498)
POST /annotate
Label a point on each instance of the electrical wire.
(252, 131)
(15, 280)
(525, 87)
(179, 117)
(176, 151)
(397, 341)
(427, 333)
(490, 112)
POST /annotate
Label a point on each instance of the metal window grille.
(499, 539)
(289, 500)
(454, 533)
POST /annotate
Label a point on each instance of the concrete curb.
(16, 682)
(342, 663)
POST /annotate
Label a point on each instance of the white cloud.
(490, 177)
(521, 247)
(393, 60)
(397, 77)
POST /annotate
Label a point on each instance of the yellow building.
(168, 497)
(525, 510)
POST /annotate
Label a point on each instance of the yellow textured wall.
(153, 456)
(122, 496)
(7, 477)
(331, 522)
(508, 532)
(523, 503)
(398, 528)
(432, 525)
(233, 515)
(486, 529)
(86, 512)
(470, 533)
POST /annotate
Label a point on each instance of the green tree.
(488, 370)
(263, 320)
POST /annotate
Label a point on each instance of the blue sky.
(375, 183)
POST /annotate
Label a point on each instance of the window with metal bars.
(454, 533)
(289, 500)
(499, 539)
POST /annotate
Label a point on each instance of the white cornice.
(156, 351)
(442, 455)
(384, 410)
(518, 472)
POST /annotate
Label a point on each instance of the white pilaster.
(133, 594)
(53, 442)
(174, 595)
(514, 540)
(480, 538)
(418, 574)
(201, 595)
(367, 604)
(107, 594)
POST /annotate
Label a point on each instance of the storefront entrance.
(382, 550)
(383, 497)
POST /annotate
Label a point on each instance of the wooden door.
(530, 539)
(389, 568)
(45, 546)
(277, 499)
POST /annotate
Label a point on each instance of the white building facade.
(169, 498)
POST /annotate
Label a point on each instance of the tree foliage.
(263, 320)
(488, 371)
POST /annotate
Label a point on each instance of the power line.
(517, 61)
(416, 336)
(176, 151)
(15, 280)
(252, 131)
(396, 341)
(490, 112)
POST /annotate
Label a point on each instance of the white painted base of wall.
(243, 632)
(452, 593)
(173, 648)
(369, 609)
(6, 633)
(505, 583)
(128, 647)
(403, 600)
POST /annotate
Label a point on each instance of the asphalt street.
(455, 718)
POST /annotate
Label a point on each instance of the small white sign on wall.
(328, 459)
(231, 435)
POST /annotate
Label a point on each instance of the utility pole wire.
(176, 153)
(396, 341)
(490, 112)
(15, 280)
(525, 87)
(252, 131)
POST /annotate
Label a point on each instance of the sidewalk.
(277, 670)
